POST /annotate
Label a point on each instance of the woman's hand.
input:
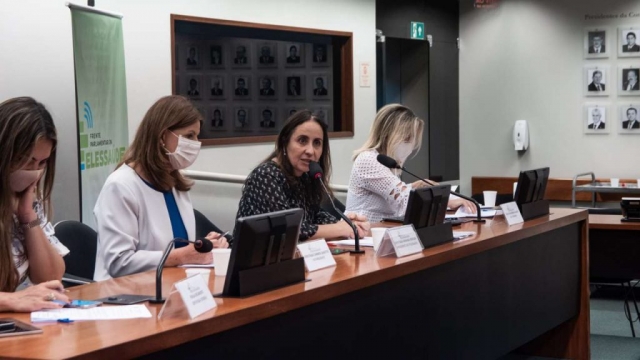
(467, 206)
(360, 221)
(25, 212)
(188, 255)
(34, 298)
(219, 241)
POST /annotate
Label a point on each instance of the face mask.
(186, 153)
(20, 180)
(402, 152)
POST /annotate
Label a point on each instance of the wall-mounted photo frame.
(192, 86)
(629, 84)
(320, 86)
(217, 87)
(294, 53)
(595, 119)
(242, 87)
(321, 55)
(218, 118)
(628, 120)
(268, 87)
(596, 80)
(176, 57)
(267, 118)
(290, 111)
(192, 57)
(267, 55)
(217, 54)
(595, 43)
(242, 118)
(628, 44)
(295, 87)
(241, 54)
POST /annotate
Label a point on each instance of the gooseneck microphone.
(201, 246)
(392, 164)
(315, 171)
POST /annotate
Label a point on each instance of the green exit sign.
(417, 30)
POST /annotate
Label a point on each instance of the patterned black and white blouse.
(267, 189)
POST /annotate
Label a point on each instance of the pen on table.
(65, 321)
(225, 234)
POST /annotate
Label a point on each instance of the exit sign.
(417, 30)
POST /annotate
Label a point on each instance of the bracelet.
(30, 224)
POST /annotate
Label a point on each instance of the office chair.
(82, 242)
(204, 226)
(326, 206)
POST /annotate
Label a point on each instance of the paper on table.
(366, 241)
(458, 235)
(96, 313)
(197, 266)
(483, 213)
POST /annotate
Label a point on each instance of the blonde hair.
(394, 124)
(146, 150)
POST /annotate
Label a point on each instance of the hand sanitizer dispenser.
(521, 135)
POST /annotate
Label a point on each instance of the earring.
(285, 152)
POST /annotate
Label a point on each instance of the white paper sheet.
(459, 235)
(366, 241)
(96, 313)
(483, 213)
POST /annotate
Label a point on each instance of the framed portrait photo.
(628, 120)
(267, 118)
(242, 87)
(320, 85)
(595, 43)
(242, 118)
(192, 56)
(294, 55)
(323, 113)
(596, 80)
(216, 56)
(290, 111)
(241, 55)
(192, 87)
(176, 57)
(294, 87)
(217, 87)
(628, 41)
(217, 119)
(628, 80)
(266, 53)
(321, 55)
(267, 87)
(595, 119)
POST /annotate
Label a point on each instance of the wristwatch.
(30, 224)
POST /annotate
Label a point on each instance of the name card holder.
(400, 241)
(512, 213)
(191, 294)
(316, 255)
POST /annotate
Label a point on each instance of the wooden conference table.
(521, 288)
(614, 248)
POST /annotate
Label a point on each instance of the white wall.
(525, 60)
(36, 59)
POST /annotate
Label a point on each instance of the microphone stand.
(357, 250)
(159, 299)
(479, 218)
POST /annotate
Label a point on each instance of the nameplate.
(316, 255)
(196, 295)
(512, 213)
(401, 241)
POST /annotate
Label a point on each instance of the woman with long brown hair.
(145, 203)
(29, 251)
(281, 181)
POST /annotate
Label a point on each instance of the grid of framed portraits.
(601, 80)
(248, 87)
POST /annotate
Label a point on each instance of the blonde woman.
(29, 251)
(375, 190)
(145, 203)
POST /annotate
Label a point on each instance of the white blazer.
(133, 224)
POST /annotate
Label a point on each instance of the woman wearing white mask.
(30, 253)
(375, 190)
(145, 203)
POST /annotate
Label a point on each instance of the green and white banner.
(101, 99)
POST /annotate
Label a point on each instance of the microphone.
(201, 246)
(392, 164)
(315, 171)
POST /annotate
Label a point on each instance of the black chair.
(326, 206)
(82, 242)
(204, 226)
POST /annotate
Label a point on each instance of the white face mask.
(186, 153)
(402, 152)
(20, 180)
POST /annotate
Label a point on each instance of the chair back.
(204, 226)
(82, 242)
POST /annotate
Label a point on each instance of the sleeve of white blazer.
(116, 215)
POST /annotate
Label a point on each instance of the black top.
(267, 189)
